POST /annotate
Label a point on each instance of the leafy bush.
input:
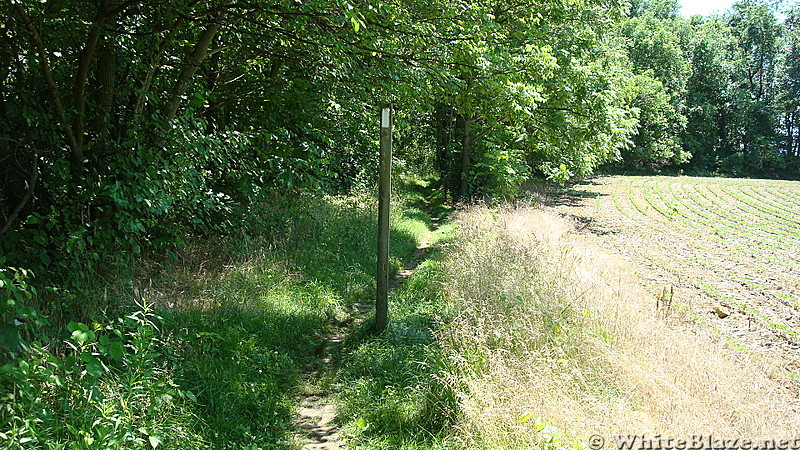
(500, 171)
(107, 389)
(16, 319)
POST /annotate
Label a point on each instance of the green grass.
(392, 394)
(246, 350)
(239, 336)
(240, 332)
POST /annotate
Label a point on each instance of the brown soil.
(316, 414)
(723, 251)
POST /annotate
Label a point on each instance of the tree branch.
(26, 198)
(36, 40)
(199, 53)
(82, 74)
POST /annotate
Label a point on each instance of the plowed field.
(727, 251)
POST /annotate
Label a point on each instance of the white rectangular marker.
(385, 118)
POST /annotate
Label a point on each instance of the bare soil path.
(729, 249)
(316, 413)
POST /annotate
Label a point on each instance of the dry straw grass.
(551, 331)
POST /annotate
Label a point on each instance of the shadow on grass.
(426, 196)
(242, 368)
(393, 394)
(248, 355)
(335, 245)
(574, 194)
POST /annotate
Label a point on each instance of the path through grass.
(254, 339)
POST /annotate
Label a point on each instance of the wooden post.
(384, 191)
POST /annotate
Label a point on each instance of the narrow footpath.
(316, 413)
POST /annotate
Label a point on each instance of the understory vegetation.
(214, 348)
(512, 333)
(187, 213)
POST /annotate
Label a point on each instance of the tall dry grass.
(555, 340)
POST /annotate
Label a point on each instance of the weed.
(664, 301)
(110, 389)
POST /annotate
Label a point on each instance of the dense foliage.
(137, 122)
(130, 129)
(716, 95)
(127, 125)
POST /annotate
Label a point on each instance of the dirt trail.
(316, 414)
(729, 262)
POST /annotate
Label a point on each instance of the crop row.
(713, 213)
(740, 231)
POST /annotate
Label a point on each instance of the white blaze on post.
(385, 117)
(384, 194)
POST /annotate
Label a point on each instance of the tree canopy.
(131, 123)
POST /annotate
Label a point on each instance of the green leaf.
(190, 395)
(72, 326)
(94, 369)
(88, 357)
(83, 336)
(95, 394)
(155, 441)
(81, 332)
(551, 434)
(116, 351)
(9, 336)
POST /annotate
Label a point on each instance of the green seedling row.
(735, 219)
(745, 234)
(786, 209)
(765, 212)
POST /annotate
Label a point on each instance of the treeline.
(126, 126)
(714, 95)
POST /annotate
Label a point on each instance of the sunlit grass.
(392, 391)
(249, 338)
(553, 341)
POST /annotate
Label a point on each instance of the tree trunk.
(197, 56)
(275, 68)
(76, 152)
(104, 99)
(3, 109)
(212, 113)
(795, 136)
(789, 134)
(466, 157)
(144, 87)
(82, 75)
